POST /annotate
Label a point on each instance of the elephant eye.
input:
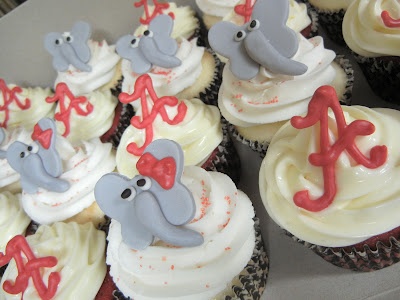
(135, 42)
(128, 194)
(34, 148)
(240, 35)
(254, 25)
(148, 33)
(144, 183)
(58, 41)
(68, 38)
(23, 154)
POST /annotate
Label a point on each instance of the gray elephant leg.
(149, 213)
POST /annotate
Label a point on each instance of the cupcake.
(371, 30)
(97, 114)
(330, 180)
(187, 24)
(67, 261)
(197, 127)
(214, 11)
(272, 73)
(208, 248)
(301, 18)
(330, 16)
(178, 67)
(21, 106)
(58, 178)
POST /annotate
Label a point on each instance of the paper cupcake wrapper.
(365, 260)
(210, 94)
(382, 74)
(251, 281)
(225, 158)
(348, 69)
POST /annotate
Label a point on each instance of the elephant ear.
(80, 35)
(176, 202)
(52, 43)
(3, 154)
(273, 15)
(223, 39)
(127, 47)
(44, 134)
(162, 26)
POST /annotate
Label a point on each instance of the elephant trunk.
(153, 54)
(71, 56)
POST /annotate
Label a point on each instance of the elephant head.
(38, 164)
(70, 48)
(264, 41)
(155, 47)
(154, 203)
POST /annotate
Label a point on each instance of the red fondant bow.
(163, 171)
(42, 136)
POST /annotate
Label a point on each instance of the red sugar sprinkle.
(172, 267)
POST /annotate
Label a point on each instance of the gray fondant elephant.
(153, 204)
(155, 47)
(70, 48)
(38, 164)
(264, 41)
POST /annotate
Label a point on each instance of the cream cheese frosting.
(185, 21)
(298, 18)
(13, 219)
(223, 216)
(80, 253)
(104, 63)
(199, 134)
(96, 123)
(365, 32)
(32, 108)
(367, 200)
(83, 166)
(170, 82)
(269, 97)
(218, 8)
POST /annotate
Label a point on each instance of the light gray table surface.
(295, 272)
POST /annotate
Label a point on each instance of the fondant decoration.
(70, 48)
(324, 98)
(389, 21)
(264, 41)
(154, 203)
(28, 266)
(158, 10)
(62, 94)
(39, 164)
(146, 120)
(3, 153)
(154, 47)
(9, 97)
(245, 10)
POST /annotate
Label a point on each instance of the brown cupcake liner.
(383, 75)
(252, 280)
(210, 94)
(312, 29)
(348, 69)
(365, 259)
(225, 158)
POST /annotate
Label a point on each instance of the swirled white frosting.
(83, 166)
(364, 31)
(169, 82)
(38, 107)
(94, 124)
(198, 134)
(218, 8)
(79, 250)
(270, 97)
(104, 62)
(224, 217)
(329, 5)
(367, 200)
(298, 18)
(8, 175)
(185, 21)
(13, 219)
